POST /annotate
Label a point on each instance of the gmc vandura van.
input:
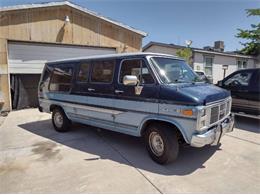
(155, 96)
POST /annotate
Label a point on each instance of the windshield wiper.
(179, 81)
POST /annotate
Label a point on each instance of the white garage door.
(29, 58)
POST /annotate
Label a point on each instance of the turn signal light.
(187, 112)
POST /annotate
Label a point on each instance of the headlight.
(202, 123)
(202, 112)
(201, 119)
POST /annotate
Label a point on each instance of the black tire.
(64, 126)
(169, 138)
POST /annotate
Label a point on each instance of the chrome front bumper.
(213, 136)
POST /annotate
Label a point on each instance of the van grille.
(220, 111)
(214, 114)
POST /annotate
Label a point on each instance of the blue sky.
(174, 21)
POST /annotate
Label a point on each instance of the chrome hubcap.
(156, 143)
(58, 119)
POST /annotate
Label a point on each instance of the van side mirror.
(130, 80)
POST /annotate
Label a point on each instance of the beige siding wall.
(4, 77)
(47, 25)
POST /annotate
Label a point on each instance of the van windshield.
(174, 71)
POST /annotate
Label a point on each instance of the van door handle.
(119, 91)
(91, 89)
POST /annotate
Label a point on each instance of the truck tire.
(60, 121)
(161, 143)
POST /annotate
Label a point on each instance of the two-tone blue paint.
(125, 116)
(129, 113)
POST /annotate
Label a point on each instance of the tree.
(252, 45)
(185, 53)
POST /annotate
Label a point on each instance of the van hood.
(192, 93)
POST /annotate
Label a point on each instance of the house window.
(208, 65)
(241, 64)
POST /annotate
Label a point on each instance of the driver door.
(136, 102)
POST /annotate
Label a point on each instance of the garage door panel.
(40, 53)
(24, 67)
(30, 57)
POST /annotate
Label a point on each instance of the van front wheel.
(161, 143)
(60, 121)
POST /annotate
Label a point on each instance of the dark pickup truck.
(244, 86)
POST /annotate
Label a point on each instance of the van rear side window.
(103, 71)
(61, 79)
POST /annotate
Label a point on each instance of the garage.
(26, 61)
(32, 34)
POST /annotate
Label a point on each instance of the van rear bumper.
(213, 136)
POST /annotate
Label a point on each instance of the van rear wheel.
(60, 121)
(161, 143)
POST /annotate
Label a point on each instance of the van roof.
(114, 56)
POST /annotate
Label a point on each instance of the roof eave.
(196, 50)
(144, 34)
(224, 54)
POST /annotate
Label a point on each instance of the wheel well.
(170, 125)
(52, 107)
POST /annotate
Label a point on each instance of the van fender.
(163, 119)
(56, 104)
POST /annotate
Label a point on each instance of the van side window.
(102, 71)
(83, 72)
(138, 68)
(61, 79)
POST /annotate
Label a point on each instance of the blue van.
(154, 96)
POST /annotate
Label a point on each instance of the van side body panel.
(131, 120)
